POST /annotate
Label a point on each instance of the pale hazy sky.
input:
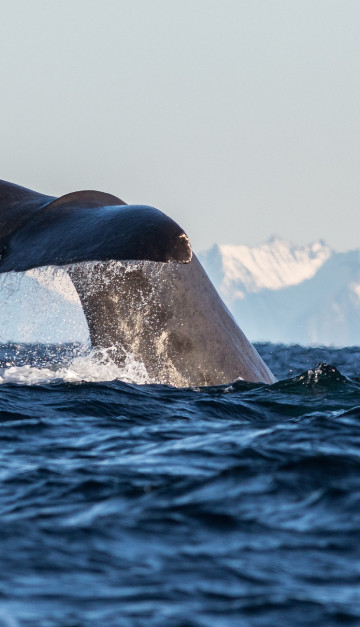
(239, 119)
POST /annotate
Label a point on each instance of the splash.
(40, 306)
(41, 311)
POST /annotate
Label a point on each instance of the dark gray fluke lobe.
(38, 230)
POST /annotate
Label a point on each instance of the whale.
(141, 287)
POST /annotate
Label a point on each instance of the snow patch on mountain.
(281, 292)
(273, 266)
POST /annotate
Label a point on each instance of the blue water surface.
(126, 504)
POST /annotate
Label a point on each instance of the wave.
(41, 364)
(206, 501)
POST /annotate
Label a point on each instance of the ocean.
(124, 503)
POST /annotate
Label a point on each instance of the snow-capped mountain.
(285, 293)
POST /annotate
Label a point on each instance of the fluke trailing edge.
(163, 308)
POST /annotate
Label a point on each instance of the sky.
(239, 119)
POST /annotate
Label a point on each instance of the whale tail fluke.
(168, 315)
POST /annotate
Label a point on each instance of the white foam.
(97, 366)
